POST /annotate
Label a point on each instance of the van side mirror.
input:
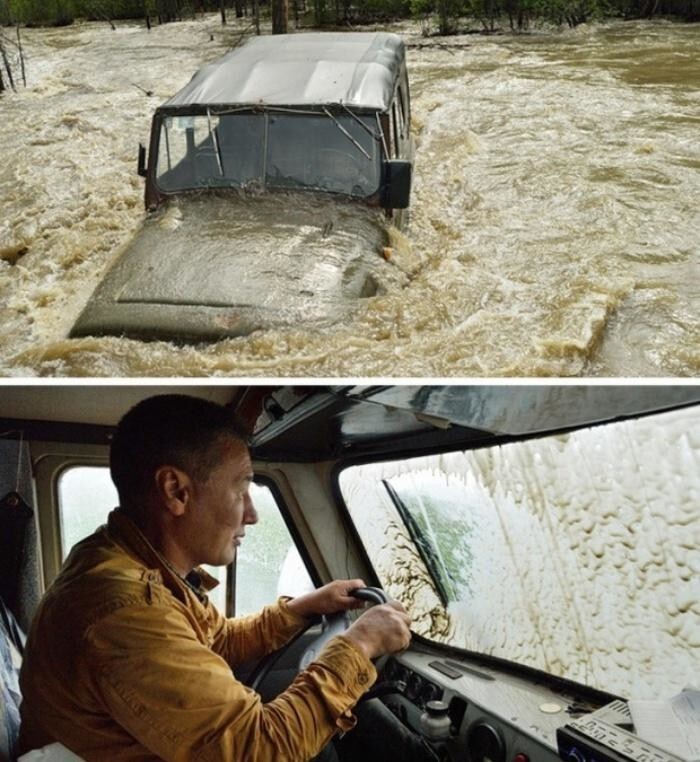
(397, 184)
(142, 160)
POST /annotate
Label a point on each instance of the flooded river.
(554, 220)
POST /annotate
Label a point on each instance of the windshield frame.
(331, 112)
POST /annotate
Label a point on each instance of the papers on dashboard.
(672, 725)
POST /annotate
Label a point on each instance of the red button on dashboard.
(521, 758)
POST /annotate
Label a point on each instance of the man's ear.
(174, 488)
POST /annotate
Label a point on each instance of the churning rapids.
(554, 223)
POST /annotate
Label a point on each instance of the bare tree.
(6, 62)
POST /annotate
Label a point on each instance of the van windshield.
(575, 554)
(281, 150)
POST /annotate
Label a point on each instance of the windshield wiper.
(346, 133)
(364, 126)
(215, 142)
(428, 553)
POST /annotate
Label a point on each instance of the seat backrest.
(12, 629)
(12, 641)
(10, 697)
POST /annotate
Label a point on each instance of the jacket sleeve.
(246, 638)
(180, 700)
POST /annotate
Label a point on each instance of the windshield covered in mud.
(333, 153)
(575, 554)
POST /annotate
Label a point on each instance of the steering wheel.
(331, 625)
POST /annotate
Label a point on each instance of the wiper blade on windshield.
(364, 126)
(428, 553)
(346, 133)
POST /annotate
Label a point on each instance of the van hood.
(209, 266)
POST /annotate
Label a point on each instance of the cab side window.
(395, 133)
(85, 496)
(268, 564)
(400, 120)
(405, 98)
(401, 112)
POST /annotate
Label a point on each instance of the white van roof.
(358, 69)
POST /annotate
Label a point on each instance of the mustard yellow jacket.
(125, 662)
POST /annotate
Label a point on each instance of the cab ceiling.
(81, 413)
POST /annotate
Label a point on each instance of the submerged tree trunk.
(256, 16)
(21, 58)
(444, 24)
(280, 12)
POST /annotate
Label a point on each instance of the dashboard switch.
(521, 758)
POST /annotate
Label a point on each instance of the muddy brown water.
(554, 221)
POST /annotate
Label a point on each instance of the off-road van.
(271, 181)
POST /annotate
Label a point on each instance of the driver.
(128, 660)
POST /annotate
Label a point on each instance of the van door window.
(268, 563)
(85, 496)
(406, 98)
(402, 115)
(395, 129)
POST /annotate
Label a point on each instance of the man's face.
(221, 507)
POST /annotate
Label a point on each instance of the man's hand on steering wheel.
(329, 599)
(381, 630)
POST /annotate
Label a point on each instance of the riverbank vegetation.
(444, 16)
(64, 12)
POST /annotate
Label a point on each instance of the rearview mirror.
(397, 184)
(142, 160)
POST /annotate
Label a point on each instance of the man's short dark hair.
(170, 429)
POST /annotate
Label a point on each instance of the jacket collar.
(126, 533)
